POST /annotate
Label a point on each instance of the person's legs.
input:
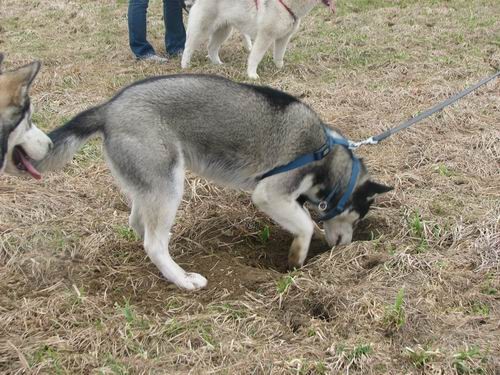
(137, 10)
(175, 33)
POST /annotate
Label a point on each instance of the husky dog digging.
(264, 21)
(238, 135)
(21, 142)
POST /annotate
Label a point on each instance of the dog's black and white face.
(339, 230)
(21, 141)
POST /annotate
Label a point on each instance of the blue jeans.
(175, 34)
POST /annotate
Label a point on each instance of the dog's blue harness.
(325, 205)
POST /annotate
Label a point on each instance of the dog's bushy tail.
(68, 138)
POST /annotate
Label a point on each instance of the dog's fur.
(20, 140)
(228, 132)
(265, 21)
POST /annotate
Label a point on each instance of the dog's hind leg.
(283, 208)
(135, 220)
(261, 45)
(279, 50)
(280, 46)
(218, 37)
(155, 186)
(158, 209)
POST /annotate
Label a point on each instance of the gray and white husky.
(238, 135)
(264, 21)
(20, 140)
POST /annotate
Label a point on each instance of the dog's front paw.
(253, 75)
(279, 64)
(191, 281)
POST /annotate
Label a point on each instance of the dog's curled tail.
(68, 138)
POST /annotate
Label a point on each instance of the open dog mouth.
(330, 4)
(23, 162)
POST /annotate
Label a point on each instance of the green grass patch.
(479, 308)
(284, 283)
(489, 287)
(231, 311)
(114, 366)
(443, 170)
(265, 234)
(48, 356)
(130, 316)
(469, 361)
(127, 233)
(419, 356)
(395, 316)
(89, 154)
(417, 227)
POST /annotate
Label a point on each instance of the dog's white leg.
(285, 210)
(262, 43)
(135, 220)
(281, 44)
(158, 213)
(279, 50)
(247, 42)
(218, 37)
(197, 31)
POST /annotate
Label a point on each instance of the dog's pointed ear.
(22, 78)
(27, 73)
(374, 188)
(370, 189)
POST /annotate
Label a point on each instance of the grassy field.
(417, 292)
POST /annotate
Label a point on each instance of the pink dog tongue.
(29, 167)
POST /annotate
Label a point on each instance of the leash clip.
(368, 141)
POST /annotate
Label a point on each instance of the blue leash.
(438, 107)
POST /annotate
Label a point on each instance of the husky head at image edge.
(21, 142)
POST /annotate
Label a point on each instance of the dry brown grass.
(78, 294)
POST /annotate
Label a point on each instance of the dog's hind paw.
(253, 76)
(192, 281)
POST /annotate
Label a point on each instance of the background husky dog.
(265, 21)
(21, 142)
(155, 129)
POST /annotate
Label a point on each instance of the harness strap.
(318, 155)
(301, 161)
(289, 10)
(350, 189)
